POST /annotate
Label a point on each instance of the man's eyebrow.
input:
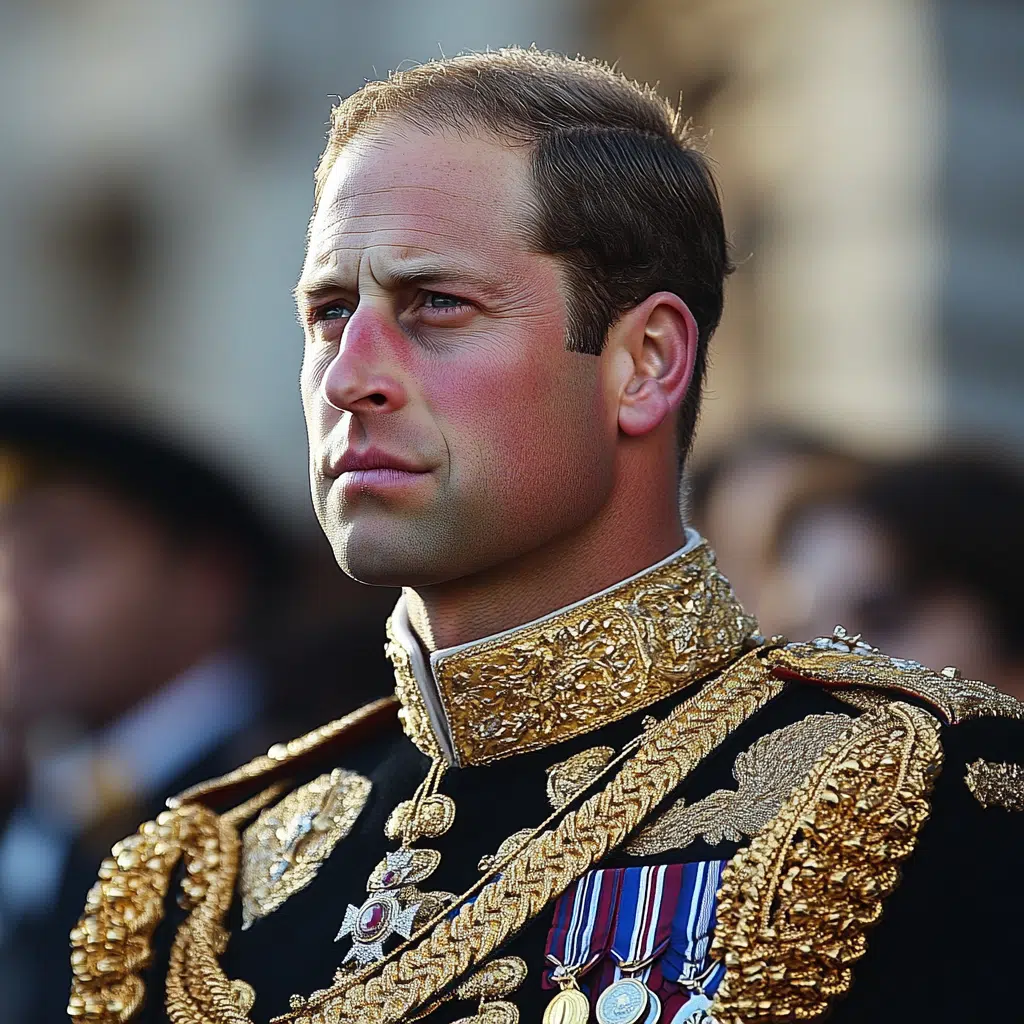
(398, 275)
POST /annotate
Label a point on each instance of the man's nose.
(363, 377)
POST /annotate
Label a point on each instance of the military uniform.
(633, 809)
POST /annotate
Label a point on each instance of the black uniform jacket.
(868, 810)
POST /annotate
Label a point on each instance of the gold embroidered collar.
(575, 670)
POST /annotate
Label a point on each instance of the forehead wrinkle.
(402, 231)
(417, 187)
(340, 209)
(392, 214)
(336, 222)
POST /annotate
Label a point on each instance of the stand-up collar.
(574, 670)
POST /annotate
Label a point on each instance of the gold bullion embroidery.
(845, 660)
(997, 784)
(568, 777)
(111, 943)
(497, 978)
(198, 991)
(282, 850)
(442, 952)
(498, 1012)
(584, 666)
(861, 698)
(795, 905)
(766, 773)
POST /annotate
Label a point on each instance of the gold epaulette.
(847, 664)
(111, 944)
(285, 758)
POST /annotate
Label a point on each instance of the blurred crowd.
(158, 627)
(922, 555)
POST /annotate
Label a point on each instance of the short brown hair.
(623, 198)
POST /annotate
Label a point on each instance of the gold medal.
(570, 1006)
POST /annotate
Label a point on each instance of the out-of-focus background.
(858, 459)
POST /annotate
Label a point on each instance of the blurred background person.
(132, 577)
(924, 558)
(739, 497)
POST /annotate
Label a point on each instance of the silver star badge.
(372, 924)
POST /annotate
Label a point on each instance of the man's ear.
(654, 348)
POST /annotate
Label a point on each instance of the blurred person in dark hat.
(131, 573)
(924, 557)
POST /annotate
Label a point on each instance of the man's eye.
(438, 300)
(333, 311)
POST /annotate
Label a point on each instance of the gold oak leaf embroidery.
(767, 774)
(283, 849)
(568, 777)
(997, 784)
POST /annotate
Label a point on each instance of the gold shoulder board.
(845, 662)
(284, 758)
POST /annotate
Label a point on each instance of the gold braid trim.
(110, 943)
(110, 946)
(670, 750)
(795, 905)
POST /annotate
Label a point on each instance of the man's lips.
(369, 462)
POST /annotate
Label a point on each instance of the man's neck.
(550, 577)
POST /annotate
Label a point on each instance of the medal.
(687, 961)
(624, 1002)
(643, 926)
(393, 903)
(578, 939)
(570, 1006)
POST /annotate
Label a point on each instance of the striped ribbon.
(663, 912)
(583, 919)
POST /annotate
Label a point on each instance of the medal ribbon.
(693, 925)
(583, 919)
(643, 925)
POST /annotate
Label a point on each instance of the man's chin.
(390, 557)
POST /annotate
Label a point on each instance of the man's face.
(86, 582)
(449, 429)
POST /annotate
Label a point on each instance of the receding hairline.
(380, 133)
(449, 91)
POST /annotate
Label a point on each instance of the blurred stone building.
(870, 155)
(156, 164)
(155, 179)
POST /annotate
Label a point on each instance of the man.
(613, 800)
(129, 575)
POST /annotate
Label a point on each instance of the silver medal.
(624, 1002)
